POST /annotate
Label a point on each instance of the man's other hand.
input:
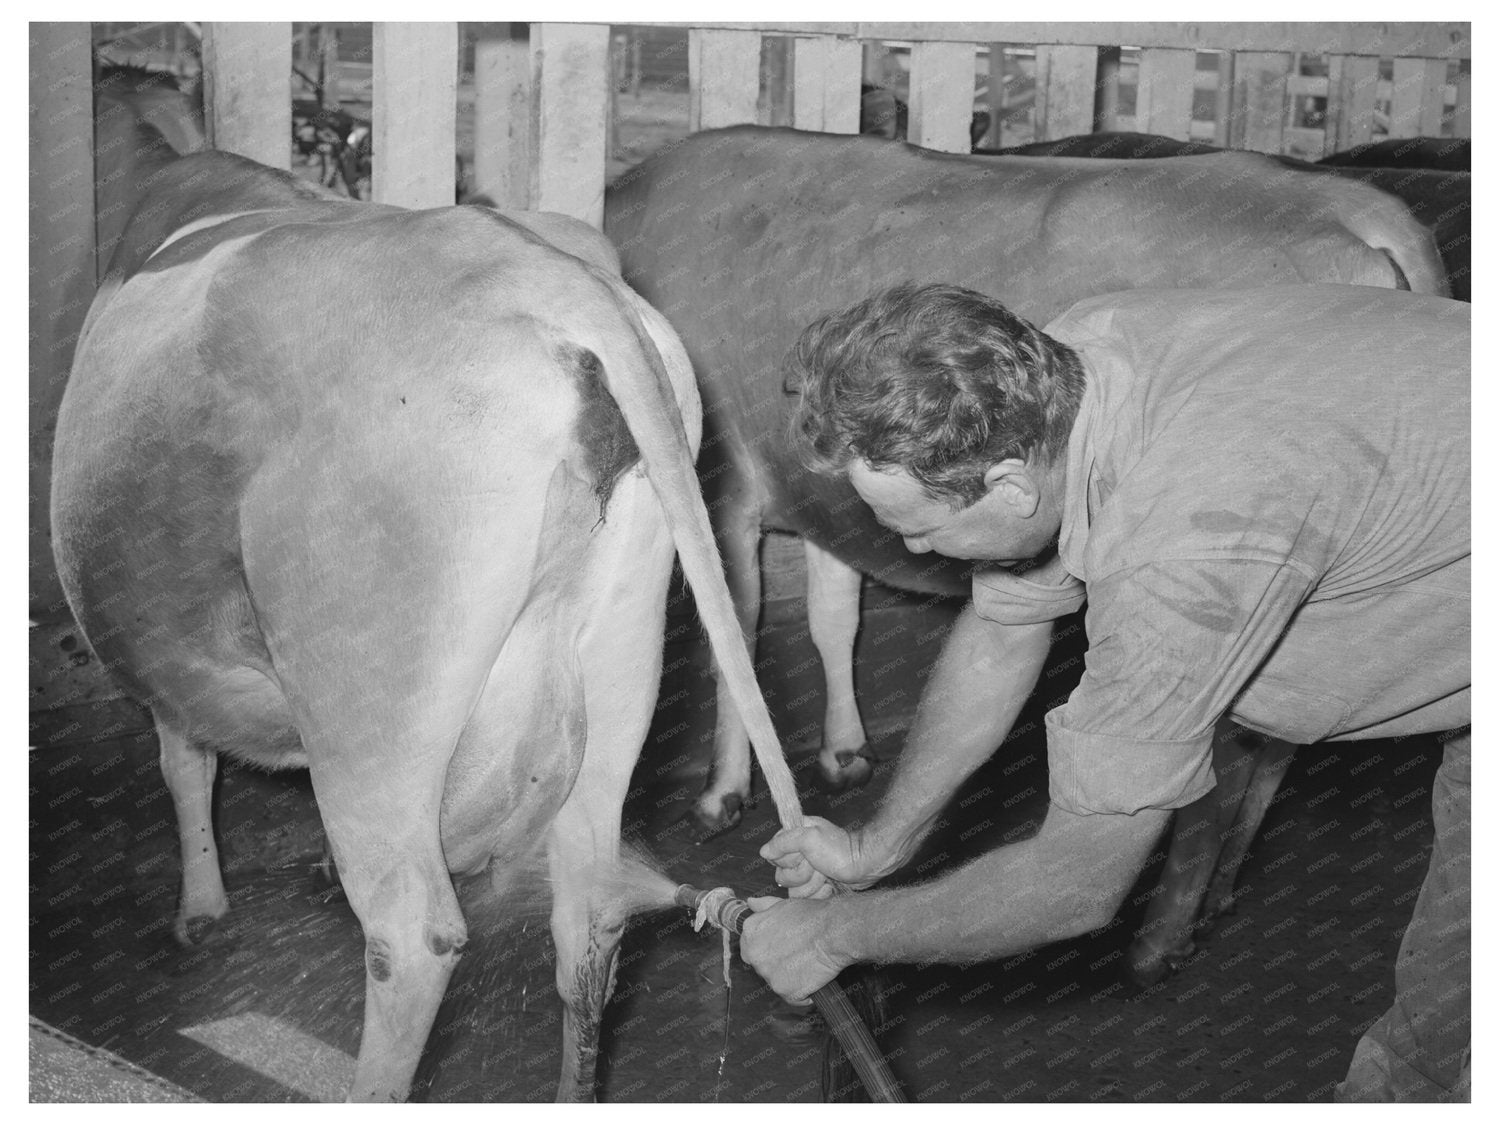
(811, 859)
(786, 942)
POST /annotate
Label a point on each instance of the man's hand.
(810, 860)
(786, 942)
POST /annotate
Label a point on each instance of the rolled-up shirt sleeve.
(1170, 646)
(1009, 599)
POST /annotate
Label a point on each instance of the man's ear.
(1013, 480)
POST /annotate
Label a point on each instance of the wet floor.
(269, 1010)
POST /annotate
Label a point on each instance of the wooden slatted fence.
(541, 117)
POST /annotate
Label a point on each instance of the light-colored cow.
(416, 537)
(743, 236)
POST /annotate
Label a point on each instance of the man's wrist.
(883, 850)
(844, 930)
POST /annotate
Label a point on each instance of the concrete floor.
(269, 1010)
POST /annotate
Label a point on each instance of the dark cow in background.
(416, 538)
(742, 236)
(1429, 174)
(1438, 154)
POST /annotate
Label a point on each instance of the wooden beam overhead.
(1413, 40)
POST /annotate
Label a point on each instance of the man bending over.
(1264, 497)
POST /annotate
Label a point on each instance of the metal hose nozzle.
(728, 912)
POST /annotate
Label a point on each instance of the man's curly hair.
(937, 380)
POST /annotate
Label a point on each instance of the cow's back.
(743, 236)
(308, 387)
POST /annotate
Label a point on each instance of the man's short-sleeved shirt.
(1267, 503)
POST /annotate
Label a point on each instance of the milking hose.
(720, 907)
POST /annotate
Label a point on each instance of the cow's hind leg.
(588, 914)
(383, 825)
(1165, 939)
(189, 773)
(727, 787)
(833, 621)
(1270, 765)
(619, 661)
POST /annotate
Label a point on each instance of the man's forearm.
(1066, 880)
(980, 683)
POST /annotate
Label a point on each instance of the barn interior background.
(543, 115)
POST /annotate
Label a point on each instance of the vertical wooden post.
(415, 113)
(1107, 101)
(328, 56)
(502, 118)
(941, 102)
(1417, 97)
(1065, 79)
(247, 90)
(1164, 92)
(723, 78)
(1352, 83)
(60, 258)
(873, 64)
(1258, 117)
(826, 76)
(569, 67)
(1463, 103)
(777, 79)
(996, 99)
(1223, 99)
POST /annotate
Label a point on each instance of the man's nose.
(916, 544)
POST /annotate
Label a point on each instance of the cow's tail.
(1382, 221)
(645, 396)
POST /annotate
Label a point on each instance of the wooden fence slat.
(1164, 92)
(1417, 87)
(723, 78)
(1109, 90)
(415, 113)
(1065, 78)
(1223, 98)
(778, 79)
(996, 96)
(1352, 83)
(941, 101)
(1257, 116)
(502, 120)
(328, 56)
(826, 76)
(1463, 103)
(61, 260)
(569, 69)
(247, 89)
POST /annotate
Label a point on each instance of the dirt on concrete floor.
(269, 1009)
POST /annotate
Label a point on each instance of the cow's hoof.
(1144, 971)
(852, 769)
(797, 1026)
(715, 815)
(1139, 976)
(195, 931)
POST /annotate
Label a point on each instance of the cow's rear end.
(402, 536)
